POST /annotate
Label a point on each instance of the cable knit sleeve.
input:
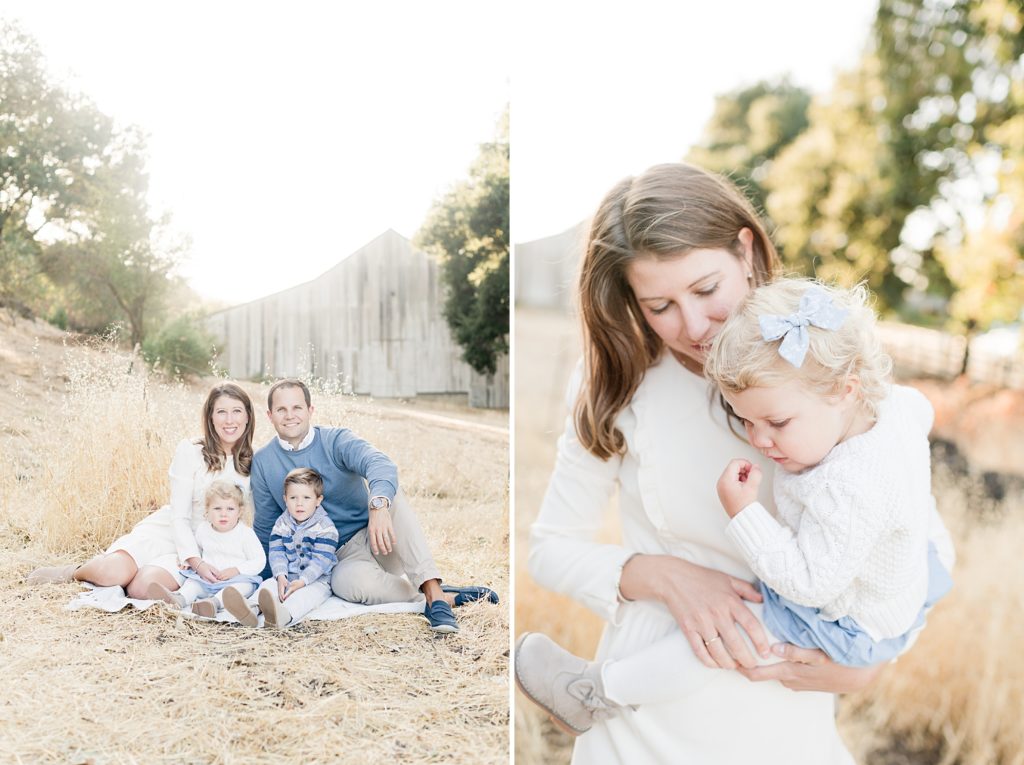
(186, 465)
(813, 564)
(563, 554)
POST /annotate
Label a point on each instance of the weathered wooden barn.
(546, 269)
(374, 323)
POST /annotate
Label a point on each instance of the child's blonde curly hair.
(225, 489)
(741, 358)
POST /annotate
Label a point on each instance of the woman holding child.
(149, 554)
(671, 254)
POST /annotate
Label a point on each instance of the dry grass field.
(85, 448)
(957, 697)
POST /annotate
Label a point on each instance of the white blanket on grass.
(113, 599)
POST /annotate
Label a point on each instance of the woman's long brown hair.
(213, 454)
(664, 213)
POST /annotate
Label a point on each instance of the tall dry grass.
(959, 692)
(955, 699)
(87, 686)
(102, 453)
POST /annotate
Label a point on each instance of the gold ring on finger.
(709, 642)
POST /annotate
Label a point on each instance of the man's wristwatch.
(376, 503)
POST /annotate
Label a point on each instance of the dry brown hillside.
(84, 449)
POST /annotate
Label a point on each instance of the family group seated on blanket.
(329, 519)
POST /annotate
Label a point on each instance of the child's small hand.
(206, 572)
(298, 584)
(738, 486)
(282, 586)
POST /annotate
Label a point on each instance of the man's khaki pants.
(362, 577)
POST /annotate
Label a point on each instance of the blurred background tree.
(78, 241)
(748, 129)
(468, 231)
(909, 173)
(53, 142)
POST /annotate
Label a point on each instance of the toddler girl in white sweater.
(229, 546)
(845, 562)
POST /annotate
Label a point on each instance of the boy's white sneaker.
(206, 607)
(236, 605)
(274, 613)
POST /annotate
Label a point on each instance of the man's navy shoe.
(464, 595)
(440, 616)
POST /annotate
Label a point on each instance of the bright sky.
(283, 140)
(284, 136)
(604, 92)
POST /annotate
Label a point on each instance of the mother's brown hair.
(213, 455)
(664, 213)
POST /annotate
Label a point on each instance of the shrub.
(58, 318)
(181, 348)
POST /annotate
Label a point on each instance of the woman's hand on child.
(808, 669)
(707, 604)
(738, 486)
(228, 573)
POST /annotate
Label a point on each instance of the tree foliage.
(52, 143)
(748, 129)
(909, 172)
(119, 262)
(182, 348)
(468, 231)
(77, 237)
(828, 190)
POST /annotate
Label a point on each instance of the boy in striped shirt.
(303, 552)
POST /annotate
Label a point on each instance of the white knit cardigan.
(851, 533)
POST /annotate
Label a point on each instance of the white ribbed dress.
(678, 444)
(166, 537)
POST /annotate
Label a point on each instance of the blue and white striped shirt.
(307, 550)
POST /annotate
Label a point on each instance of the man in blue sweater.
(380, 538)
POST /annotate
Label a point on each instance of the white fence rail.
(920, 352)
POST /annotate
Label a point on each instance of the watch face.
(378, 502)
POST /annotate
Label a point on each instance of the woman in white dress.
(670, 254)
(152, 551)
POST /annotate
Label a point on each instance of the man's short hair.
(305, 477)
(288, 382)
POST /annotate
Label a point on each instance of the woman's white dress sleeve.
(564, 556)
(186, 465)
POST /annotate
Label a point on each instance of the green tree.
(828, 191)
(76, 232)
(748, 129)
(52, 141)
(118, 262)
(984, 259)
(468, 231)
(182, 348)
(949, 69)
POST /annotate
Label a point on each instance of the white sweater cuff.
(753, 529)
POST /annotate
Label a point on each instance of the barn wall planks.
(374, 322)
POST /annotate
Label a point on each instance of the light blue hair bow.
(816, 308)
